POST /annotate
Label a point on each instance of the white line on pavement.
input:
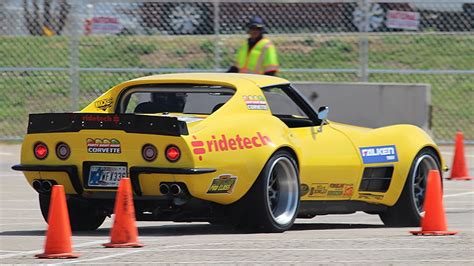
(130, 252)
(459, 194)
(6, 153)
(102, 258)
(29, 252)
(173, 248)
(245, 262)
(250, 240)
(165, 249)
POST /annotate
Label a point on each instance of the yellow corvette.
(224, 148)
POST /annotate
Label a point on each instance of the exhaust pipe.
(180, 196)
(175, 190)
(36, 185)
(46, 185)
(164, 189)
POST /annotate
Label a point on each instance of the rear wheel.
(409, 207)
(272, 203)
(82, 216)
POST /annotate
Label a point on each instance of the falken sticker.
(379, 154)
(255, 102)
(103, 146)
(223, 184)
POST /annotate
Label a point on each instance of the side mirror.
(323, 112)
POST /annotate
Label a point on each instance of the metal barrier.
(57, 55)
(372, 104)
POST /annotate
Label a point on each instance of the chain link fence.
(58, 55)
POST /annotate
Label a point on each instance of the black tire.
(407, 210)
(82, 217)
(271, 208)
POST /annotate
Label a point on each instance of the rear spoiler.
(132, 123)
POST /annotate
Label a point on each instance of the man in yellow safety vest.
(258, 54)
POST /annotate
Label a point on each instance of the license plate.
(106, 176)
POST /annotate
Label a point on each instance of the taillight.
(63, 151)
(149, 152)
(172, 153)
(40, 150)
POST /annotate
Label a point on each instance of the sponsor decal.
(304, 189)
(103, 25)
(403, 20)
(104, 104)
(348, 190)
(318, 190)
(223, 184)
(225, 143)
(255, 102)
(101, 118)
(331, 190)
(370, 196)
(103, 145)
(379, 154)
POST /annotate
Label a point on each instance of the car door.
(329, 162)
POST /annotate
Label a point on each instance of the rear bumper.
(135, 171)
(70, 170)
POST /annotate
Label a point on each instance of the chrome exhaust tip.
(175, 190)
(164, 189)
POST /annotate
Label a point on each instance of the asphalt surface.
(332, 239)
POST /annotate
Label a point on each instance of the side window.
(281, 104)
(285, 108)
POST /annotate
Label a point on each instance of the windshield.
(164, 99)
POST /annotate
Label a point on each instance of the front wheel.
(409, 207)
(272, 203)
(82, 217)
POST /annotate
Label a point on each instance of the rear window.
(186, 99)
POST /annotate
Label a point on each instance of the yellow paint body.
(328, 157)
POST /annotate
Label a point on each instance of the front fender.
(409, 140)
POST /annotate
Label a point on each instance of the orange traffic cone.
(124, 232)
(434, 221)
(459, 169)
(58, 237)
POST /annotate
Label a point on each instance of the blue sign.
(379, 154)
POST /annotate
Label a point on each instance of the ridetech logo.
(225, 143)
(101, 118)
(379, 154)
